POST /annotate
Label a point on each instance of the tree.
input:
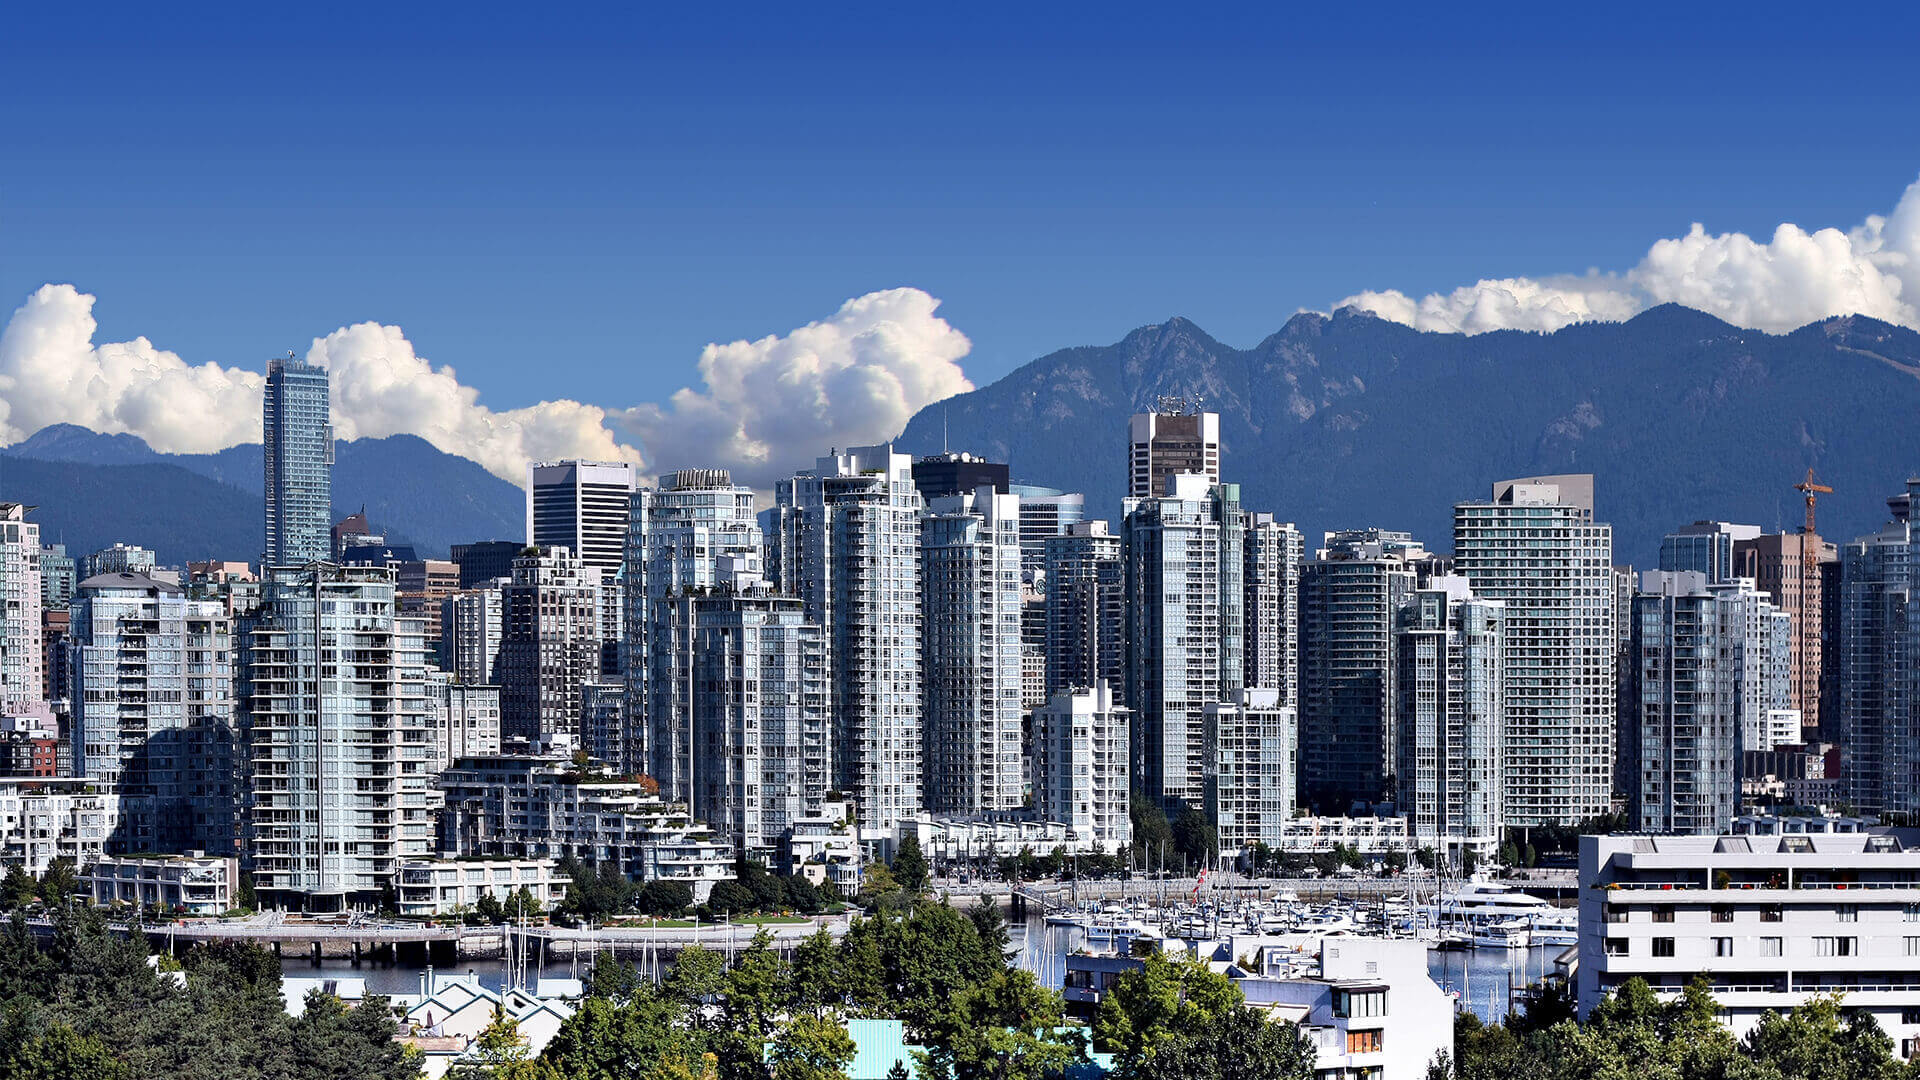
(697, 977)
(1005, 1028)
(19, 888)
(1817, 1041)
(494, 1052)
(60, 1053)
(812, 1047)
(595, 893)
(1145, 1007)
(1151, 832)
(489, 908)
(1239, 1044)
(1194, 837)
(730, 898)
(662, 898)
(612, 978)
(815, 976)
(909, 866)
(59, 884)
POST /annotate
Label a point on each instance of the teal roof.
(877, 1045)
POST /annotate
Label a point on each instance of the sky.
(571, 205)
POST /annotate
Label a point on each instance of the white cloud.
(767, 407)
(773, 405)
(1795, 278)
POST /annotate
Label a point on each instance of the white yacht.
(1480, 900)
(1504, 934)
(1560, 929)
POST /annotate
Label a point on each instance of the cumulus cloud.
(766, 407)
(1792, 279)
(773, 405)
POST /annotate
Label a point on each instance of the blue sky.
(573, 203)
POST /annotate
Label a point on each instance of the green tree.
(19, 888)
(1194, 837)
(489, 908)
(605, 1040)
(815, 978)
(60, 1053)
(664, 899)
(1149, 1005)
(698, 977)
(1151, 832)
(333, 1042)
(812, 1047)
(1820, 1041)
(612, 978)
(60, 883)
(1239, 1044)
(1005, 1028)
(731, 898)
(495, 1051)
(910, 866)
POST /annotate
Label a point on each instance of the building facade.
(1085, 603)
(1450, 685)
(21, 656)
(1252, 747)
(1174, 440)
(298, 443)
(1273, 554)
(1536, 546)
(549, 643)
(43, 819)
(1081, 766)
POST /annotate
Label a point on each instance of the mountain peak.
(71, 442)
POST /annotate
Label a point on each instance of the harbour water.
(1486, 979)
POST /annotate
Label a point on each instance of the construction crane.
(1809, 568)
(1811, 488)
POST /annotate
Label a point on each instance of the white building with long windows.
(1771, 919)
(1080, 765)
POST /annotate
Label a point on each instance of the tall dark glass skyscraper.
(299, 457)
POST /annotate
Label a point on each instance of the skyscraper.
(971, 653)
(1535, 545)
(1176, 438)
(583, 506)
(21, 654)
(849, 546)
(153, 710)
(298, 430)
(1706, 547)
(1877, 731)
(1272, 581)
(956, 473)
(1044, 513)
(1450, 684)
(1252, 746)
(695, 532)
(58, 576)
(1086, 608)
(549, 643)
(1185, 627)
(338, 737)
(1777, 564)
(1350, 595)
(1081, 773)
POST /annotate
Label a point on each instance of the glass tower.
(298, 433)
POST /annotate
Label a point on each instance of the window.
(1615, 914)
(1664, 914)
(1773, 913)
(1359, 1004)
(1912, 945)
(1616, 946)
(1847, 913)
(1363, 1042)
(1910, 1016)
(1771, 946)
(1722, 913)
(1663, 946)
(1835, 946)
(1910, 913)
(1723, 946)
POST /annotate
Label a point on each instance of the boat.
(1482, 900)
(1505, 934)
(1557, 930)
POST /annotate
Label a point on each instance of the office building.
(1081, 774)
(298, 430)
(485, 560)
(22, 681)
(423, 584)
(353, 531)
(1778, 565)
(1044, 513)
(1350, 594)
(1176, 438)
(973, 681)
(1778, 912)
(1273, 555)
(1535, 545)
(153, 711)
(954, 473)
(58, 577)
(549, 643)
(582, 506)
(338, 737)
(1450, 688)
(1706, 547)
(1185, 564)
(848, 544)
(1252, 762)
(1085, 607)
(697, 530)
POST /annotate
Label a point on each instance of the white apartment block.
(1274, 552)
(1367, 835)
(848, 545)
(432, 887)
(1368, 1007)
(542, 807)
(971, 654)
(339, 737)
(465, 719)
(470, 630)
(1772, 917)
(695, 530)
(1536, 546)
(1252, 747)
(550, 642)
(153, 710)
(1086, 607)
(43, 819)
(21, 678)
(194, 882)
(1185, 631)
(1450, 655)
(1081, 773)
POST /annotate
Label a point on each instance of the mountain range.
(94, 489)
(1349, 420)
(1337, 421)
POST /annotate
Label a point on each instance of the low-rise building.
(824, 847)
(1367, 835)
(540, 806)
(48, 818)
(1794, 908)
(972, 839)
(452, 886)
(196, 882)
(1369, 1008)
